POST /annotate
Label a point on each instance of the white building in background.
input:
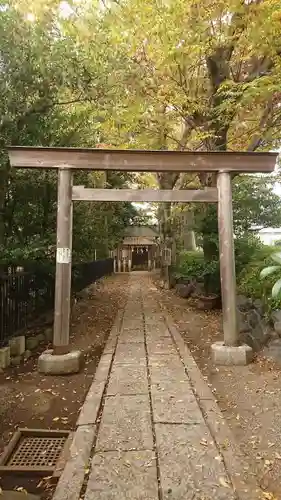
(270, 235)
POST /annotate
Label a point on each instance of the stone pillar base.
(60, 364)
(17, 345)
(228, 355)
(5, 359)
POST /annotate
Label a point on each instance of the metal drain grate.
(37, 452)
(34, 451)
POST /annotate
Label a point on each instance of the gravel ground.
(249, 396)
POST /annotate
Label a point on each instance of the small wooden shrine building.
(139, 249)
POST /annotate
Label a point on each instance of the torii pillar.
(61, 360)
(229, 351)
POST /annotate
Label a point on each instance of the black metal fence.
(26, 294)
(88, 272)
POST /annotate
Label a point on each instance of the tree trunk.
(210, 219)
(189, 241)
(166, 181)
(188, 235)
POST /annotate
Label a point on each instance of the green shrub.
(247, 248)
(273, 270)
(193, 266)
(249, 282)
(251, 256)
(190, 265)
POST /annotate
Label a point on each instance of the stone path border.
(150, 428)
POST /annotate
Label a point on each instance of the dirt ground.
(250, 396)
(30, 399)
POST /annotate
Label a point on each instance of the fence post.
(63, 262)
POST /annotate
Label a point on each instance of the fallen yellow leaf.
(223, 482)
(266, 495)
(225, 444)
(204, 442)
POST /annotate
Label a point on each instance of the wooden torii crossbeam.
(66, 160)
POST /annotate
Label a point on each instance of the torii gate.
(60, 360)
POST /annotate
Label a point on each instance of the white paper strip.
(63, 255)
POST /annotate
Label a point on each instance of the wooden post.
(63, 262)
(130, 259)
(227, 259)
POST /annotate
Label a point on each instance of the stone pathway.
(150, 428)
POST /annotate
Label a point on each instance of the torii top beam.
(141, 160)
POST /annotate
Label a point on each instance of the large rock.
(244, 303)
(259, 306)
(183, 281)
(248, 320)
(31, 343)
(243, 325)
(198, 290)
(185, 291)
(276, 316)
(48, 334)
(16, 361)
(277, 327)
(257, 337)
(17, 345)
(40, 337)
(5, 359)
(27, 354)
(253, 318)
(273, 350)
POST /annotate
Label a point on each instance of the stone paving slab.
(160, 434)
(170, 361)
(176, 409)
(72, 478)
(131, 336)
(126, 475)
(130, 353)
(90, 408)
(125, 424)
(132, 324)
(102, 371)
(161, 346)
(132, 313)
(156, 331)
(128, 379)
(110, 346)
(172, 388)
(200, 386)
(167, 375)
(190, 465)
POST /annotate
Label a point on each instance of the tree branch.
(257, 138)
